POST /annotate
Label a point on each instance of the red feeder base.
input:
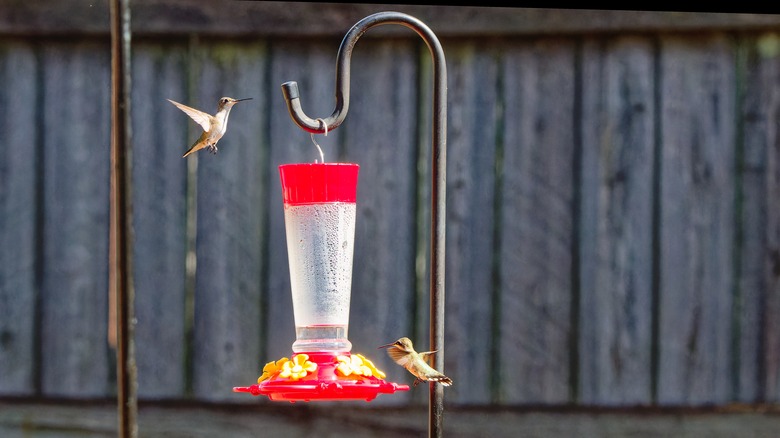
(323, 384)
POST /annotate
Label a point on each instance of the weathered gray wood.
(230, 224)
(475, 115)
(19, 209)
(311, 64)
(760, 221)
(756, 82)
(380, 134)
(423, 306)
(697, 220)
(422, 280)
(262, 18)
(615, 220)
(159, 221)
(536, 222)
(718, 230)
(76, 120)
(772, 263)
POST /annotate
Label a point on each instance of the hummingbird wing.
(399, 356)
(426, 355)
(201, 118)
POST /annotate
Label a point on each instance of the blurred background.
(613, 231)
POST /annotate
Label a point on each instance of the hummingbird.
(214, 127)
(402, 352)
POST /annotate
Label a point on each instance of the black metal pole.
(121, 242)
(438, 170)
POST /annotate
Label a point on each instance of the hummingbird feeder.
(320, 207)
(319, 215)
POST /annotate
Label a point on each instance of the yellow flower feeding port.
(322, 376)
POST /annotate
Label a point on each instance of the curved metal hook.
(343, 62)
(438, 170)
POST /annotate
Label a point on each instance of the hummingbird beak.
(239, 100)
(385, 346)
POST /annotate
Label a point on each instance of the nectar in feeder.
(319, 215)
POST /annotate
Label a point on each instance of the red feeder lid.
(311, 183)
(324, 384)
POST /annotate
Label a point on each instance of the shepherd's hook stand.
(438, 170)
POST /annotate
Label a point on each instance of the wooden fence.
(613, 231)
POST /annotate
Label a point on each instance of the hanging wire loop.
(313, 140)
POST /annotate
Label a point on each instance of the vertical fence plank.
(697, 220)
(230, 222)
(474, 115)
(75, 229)
(312, 66)
(755, 82)
(616, 221)
(19, 185)
(760, 272)
(536, 237)
(380, 135)
(422, 281)
(159, 217)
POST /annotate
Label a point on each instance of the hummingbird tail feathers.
(199, 144)
(444, 380)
